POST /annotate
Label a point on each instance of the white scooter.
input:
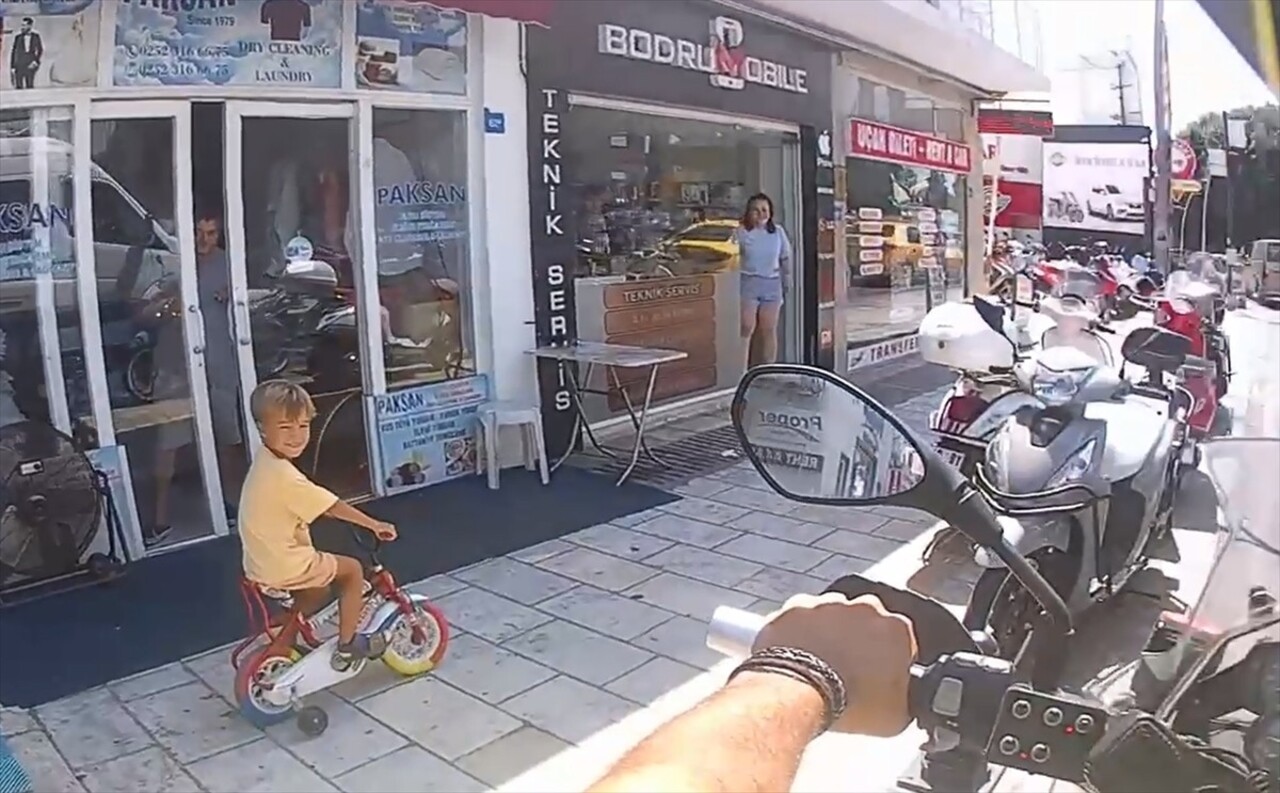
(985, 394)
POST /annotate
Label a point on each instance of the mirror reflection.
(816, 439)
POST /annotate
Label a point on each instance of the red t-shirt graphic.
(287, 18)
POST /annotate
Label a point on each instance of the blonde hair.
(290, 399)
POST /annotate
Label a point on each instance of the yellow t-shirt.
(277, 507)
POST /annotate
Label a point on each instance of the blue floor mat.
(12, 778)
(183, 603)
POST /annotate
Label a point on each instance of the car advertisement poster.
(428, 434)
(295, 43)
(1096, 186)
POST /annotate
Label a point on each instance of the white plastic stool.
(496, 415)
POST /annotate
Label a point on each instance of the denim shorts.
(760, 290)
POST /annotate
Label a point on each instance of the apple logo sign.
(824, 143)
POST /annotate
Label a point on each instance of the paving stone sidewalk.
(564, 654)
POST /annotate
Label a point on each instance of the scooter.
(986, 394)
(270, 682)
(980, 710)
(1187, 307)
(1084, 481)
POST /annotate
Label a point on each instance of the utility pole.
(1164, 145)
(1120, 87)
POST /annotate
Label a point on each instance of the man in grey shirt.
(213, 282)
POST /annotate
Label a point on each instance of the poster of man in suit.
(49, 43)
(25, 55)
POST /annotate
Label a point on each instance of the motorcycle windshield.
(1198, 280)
(1078, 284)
(1242, 582)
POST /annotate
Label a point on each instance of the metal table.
(589, 355)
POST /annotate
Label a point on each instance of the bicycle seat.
(280, 596)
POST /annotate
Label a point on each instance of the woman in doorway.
(765, 272)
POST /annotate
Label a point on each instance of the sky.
(1206, 73)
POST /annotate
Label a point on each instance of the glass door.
(292, 228)
(151, 317)
(785, 166)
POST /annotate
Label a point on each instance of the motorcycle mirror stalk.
(817, 439)
(932, 486)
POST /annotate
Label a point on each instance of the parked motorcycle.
(1010, 711)
(1085, 480)
(286, 320)
(1190, 306)
(956, 335)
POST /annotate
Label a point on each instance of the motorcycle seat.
(1087, 343)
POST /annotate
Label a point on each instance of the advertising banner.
(407, 45)
(1096, 186)
(49, 43)
(114, 462)
(874, 141)
(296, 43)
(1021, 158)
(1018, 204)
(428, 434)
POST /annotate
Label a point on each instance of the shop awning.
(1253, 28)
(536, 11)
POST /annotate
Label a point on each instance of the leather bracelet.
(807, 668)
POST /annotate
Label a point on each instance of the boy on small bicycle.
(277, 507)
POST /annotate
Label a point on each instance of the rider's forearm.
(344, 511)
(747, 737)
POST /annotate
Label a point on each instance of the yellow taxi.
(707, 245)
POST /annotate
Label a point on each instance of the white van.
(1264, 265)
(38, 235)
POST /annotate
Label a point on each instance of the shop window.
(116, 221)
(37, 241)
(918, 255)
(658, 201)
(893, 106)
(421, 211)
(950, 123)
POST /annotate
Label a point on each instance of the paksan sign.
(881, 142)
(720, 55)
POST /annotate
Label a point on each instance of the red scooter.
(1188, 307)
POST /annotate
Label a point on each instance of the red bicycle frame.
(293, 624)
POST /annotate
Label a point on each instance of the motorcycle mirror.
(815, 438)
(993, 315)
(818, 439)
(1156, 349)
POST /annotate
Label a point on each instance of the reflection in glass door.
(292, 234)
(152, 329)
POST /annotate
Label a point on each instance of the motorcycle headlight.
(1057, 387)
(1075, 468)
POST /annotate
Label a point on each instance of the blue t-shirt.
(762, 254)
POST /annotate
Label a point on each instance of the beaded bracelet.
(807, 668)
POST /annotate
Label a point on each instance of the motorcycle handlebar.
(732, 632)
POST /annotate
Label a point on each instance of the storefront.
(196, 197)
(907, 217)
(651, 124)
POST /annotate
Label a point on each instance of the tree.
(1256, 172)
